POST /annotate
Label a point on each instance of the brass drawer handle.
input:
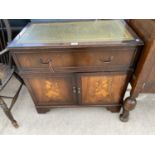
(49, 62)
(108, 60)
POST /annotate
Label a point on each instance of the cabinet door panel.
(102, 88)
(52, 90)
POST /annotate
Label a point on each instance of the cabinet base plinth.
(114, 109)
(42, 110)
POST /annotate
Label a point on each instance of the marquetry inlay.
(102, 88)
(52, 89)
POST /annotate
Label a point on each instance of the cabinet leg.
(129, 104)
(114, 109)
(42, 110)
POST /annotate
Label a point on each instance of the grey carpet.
(76, 120)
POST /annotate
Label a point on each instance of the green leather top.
(83, 31)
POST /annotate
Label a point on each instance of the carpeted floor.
(77, 120)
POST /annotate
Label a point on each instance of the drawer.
(74, 60)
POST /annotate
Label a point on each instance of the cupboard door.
(102, 88)
(51, 90)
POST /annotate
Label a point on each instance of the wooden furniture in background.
(143, 80)
(7, 71)
(86, 63)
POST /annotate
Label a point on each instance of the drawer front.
(102, 88)
(74, 60)
(47, 90)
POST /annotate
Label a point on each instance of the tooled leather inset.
(82, 31)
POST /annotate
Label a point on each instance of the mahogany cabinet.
(84, 63)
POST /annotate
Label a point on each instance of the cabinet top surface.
(74, 33)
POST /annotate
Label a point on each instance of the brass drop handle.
(108, 60)
(49, 62)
